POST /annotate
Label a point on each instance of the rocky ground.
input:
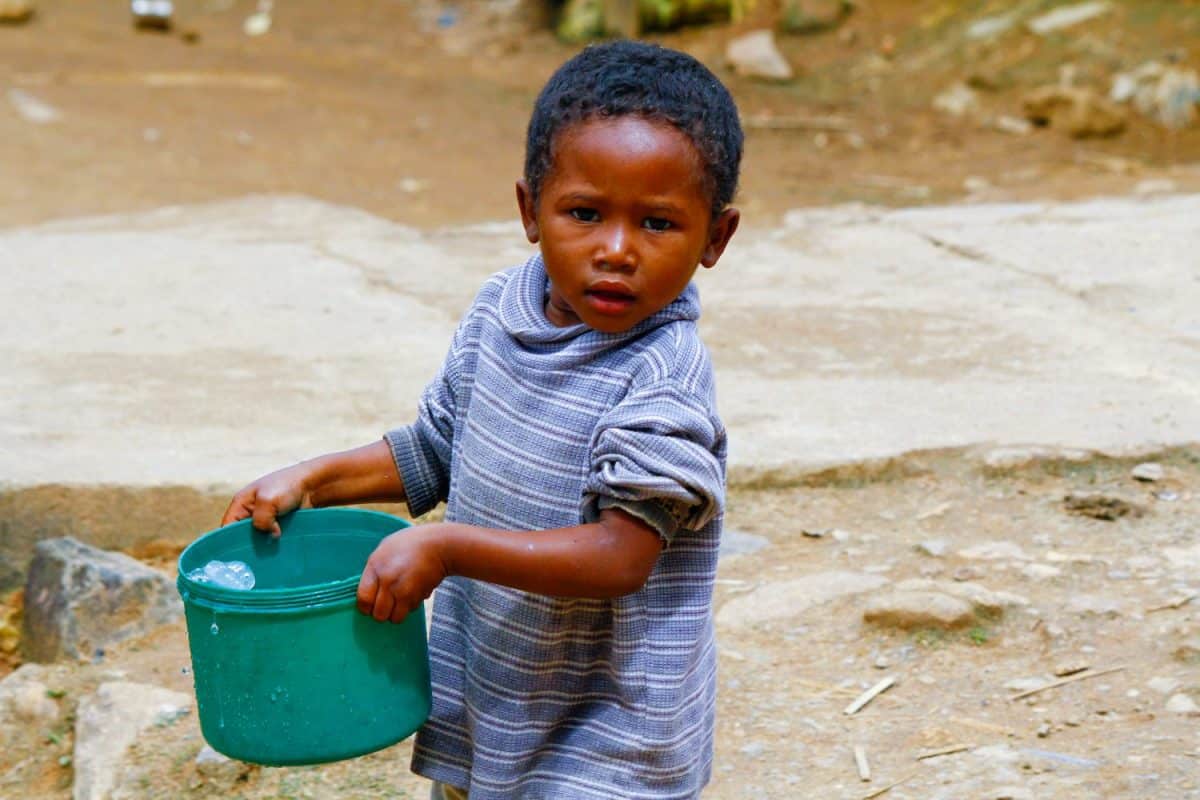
(988, 574)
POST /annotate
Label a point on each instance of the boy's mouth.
(609, 297)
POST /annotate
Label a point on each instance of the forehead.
(630, 150)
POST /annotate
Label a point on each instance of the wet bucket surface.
(290, 672)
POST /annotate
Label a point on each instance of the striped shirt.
(529, 426)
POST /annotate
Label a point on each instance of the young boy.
(573, 433)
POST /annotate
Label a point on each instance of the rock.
(1081, 112)
(995, 551)
(784, 599)
(25, 700)
(1010, 458)
(79, 599)
(1188, 652)
(110, 720)
(32, 109)
(220, 769)
(991, 27)
(1006, 123)
(1163, 685)
(1101, 506)
(738, 543)
(1068, 16)
(1040, 572)
(1182, 704)
(1014, 792)
(813, 16)
(755, 55)
(935, 548)
(908, 610)
(957, 101)
(1019, 685)
(1091, 605)
(1148, 472)
(14, 12)
(983, 601)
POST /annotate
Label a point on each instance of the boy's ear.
(528, 209)
(719, 234)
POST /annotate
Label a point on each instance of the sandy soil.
(372, 105)
(1101, 594)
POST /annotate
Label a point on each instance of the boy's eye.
(585, 214)
(657, 223)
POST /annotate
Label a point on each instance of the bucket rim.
(285, 598)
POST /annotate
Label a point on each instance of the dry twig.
(1054, 684)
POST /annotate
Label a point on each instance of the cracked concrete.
(204, 345)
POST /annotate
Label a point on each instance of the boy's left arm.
(610, 557)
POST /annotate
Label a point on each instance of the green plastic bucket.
(290, 672)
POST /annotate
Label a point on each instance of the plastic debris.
(152, 14)
(226, 574)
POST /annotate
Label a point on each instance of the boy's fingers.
(264, 518)
(237, 510)
(384, 603)
(367, 587)
(399, 613)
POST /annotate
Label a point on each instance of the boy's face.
(623, 220)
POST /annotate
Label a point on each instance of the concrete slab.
(205, 345)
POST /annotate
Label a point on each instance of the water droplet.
(214, 630)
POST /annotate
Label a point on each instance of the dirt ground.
(367, 104)
(1101, 594)
(373, 105)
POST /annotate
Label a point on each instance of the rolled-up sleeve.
(659, 454)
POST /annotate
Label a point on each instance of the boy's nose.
(616, 250)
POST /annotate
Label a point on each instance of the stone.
(1068, 16)
(25, 702)
(813, 16)
(1188, 652)
(1019, 685)
(79, 599)
(31, 108)
(983, 601)
(221, 770)
(935, 548)
(957, 101)
(1148, 472)
(1081, 112)
(783, 599)
(1007, 123)
(755, 55)
(1013, 792)
(1086, 605)
(995, 551)
(738, 543)
(1040, 572)
(14, 12)
(909, 610)
(1101, 506)
(1182, 704)
(1163, 684)
(108, 722)
(990, 27)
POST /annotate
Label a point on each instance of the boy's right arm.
(365, 474)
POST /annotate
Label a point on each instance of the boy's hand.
(404, 570)
(270, 497)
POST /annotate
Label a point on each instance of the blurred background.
(415, 109)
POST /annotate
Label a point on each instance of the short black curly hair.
(629, 77)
